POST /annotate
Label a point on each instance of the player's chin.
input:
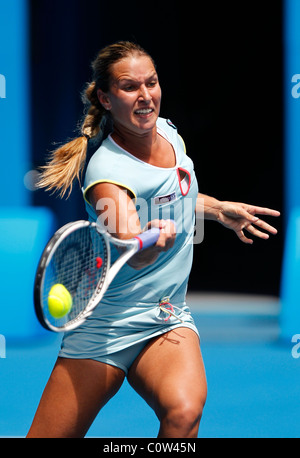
(145, 121)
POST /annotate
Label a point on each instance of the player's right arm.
(116, 211)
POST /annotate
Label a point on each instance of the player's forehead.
(133, 68)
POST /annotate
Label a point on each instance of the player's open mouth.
(144, 111)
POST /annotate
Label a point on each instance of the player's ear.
(104, 99)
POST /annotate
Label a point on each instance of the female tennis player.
(140, 176)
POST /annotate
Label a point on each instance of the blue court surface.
(253, 378)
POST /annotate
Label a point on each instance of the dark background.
(220, 69)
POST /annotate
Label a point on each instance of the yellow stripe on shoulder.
(184, 148)
(106, 181)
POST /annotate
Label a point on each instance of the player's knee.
(185, 418)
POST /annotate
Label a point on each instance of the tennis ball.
(59, 301)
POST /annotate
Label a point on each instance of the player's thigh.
(170, 372)
(74, 394)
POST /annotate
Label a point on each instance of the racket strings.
(79, 263)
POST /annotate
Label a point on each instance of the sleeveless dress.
(135, 307)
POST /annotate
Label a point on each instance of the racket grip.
(149, 238)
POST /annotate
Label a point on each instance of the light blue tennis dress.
(135, 307)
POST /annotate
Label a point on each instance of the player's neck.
(141, 145)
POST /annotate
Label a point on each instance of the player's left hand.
(239, 217)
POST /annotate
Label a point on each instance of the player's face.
(134, 95)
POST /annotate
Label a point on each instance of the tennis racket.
(78, 256)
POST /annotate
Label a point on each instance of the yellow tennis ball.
(59, 301)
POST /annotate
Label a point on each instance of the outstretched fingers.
(265, 226)
(250, 227)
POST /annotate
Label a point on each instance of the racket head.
(78, 257)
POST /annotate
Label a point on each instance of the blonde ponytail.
(67, 161)
(64, 166)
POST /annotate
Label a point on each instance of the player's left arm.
(237, 216)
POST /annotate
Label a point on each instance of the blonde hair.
(67, 162)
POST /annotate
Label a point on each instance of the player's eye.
(152, 84)
(129, 88)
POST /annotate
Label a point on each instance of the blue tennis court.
(252, 377)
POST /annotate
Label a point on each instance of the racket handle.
(149, 238)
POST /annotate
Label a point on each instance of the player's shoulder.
(166, 125)
(169, 128)
(104, 156)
